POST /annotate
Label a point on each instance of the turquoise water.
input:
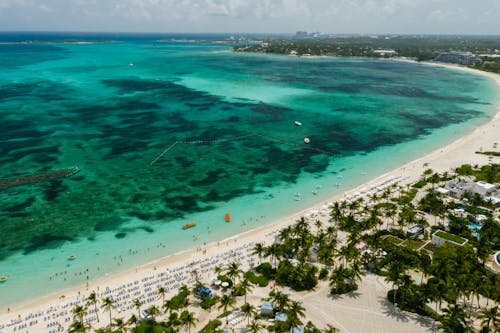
(110, 108)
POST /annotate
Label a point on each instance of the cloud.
(398, 16)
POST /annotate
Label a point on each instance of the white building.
(487, 191)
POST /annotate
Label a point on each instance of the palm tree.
(255, 327)
(162, 291)
(245, 287)
(295, 311)
(120, 324)
(233, 272)
(108, 304)
(153, 311)
(94, 300)
(330, 329)
(454, 320)
(248, 311)
(490, 318)
(133, 320)
(167, 306)
(280, 299)
(273, 251)
(395, 272)
(79, 312)
(138, 304)
(258, 250)
(225, 302)
(78, 327)
(102, 330)
(188, 319)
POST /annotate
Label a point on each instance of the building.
(266, 309)
(385, 53)
(440, 237)
(487, 191)
(280, 316)
(297, 329)
(460, 58)
(415, 230)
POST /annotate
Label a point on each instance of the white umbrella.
(225, 284)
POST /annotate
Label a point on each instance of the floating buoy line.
(242, 137)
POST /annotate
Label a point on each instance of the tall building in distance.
(460, 58)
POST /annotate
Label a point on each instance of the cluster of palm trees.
(451, 275)
(454, 275)
(177, 309)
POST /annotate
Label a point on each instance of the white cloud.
(399, 16)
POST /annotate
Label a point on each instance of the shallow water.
(113, 108)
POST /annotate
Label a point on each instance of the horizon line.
(249, 33)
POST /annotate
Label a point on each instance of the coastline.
(456, 153)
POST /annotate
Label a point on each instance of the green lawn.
(450, 237)
(413, 244)
(393, 240)
(430, 247)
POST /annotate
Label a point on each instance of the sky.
(254, 16)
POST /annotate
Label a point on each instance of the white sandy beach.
(366, 312)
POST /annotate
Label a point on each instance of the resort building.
(297, 329)
(487, 191)
(460, 58)
(266, 309)
(386, 53)
(440, 237)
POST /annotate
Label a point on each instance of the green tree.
(248, 311)
(454, 320)
(133, 320)
(233, 272)
(490, 319)
(79, 312)
(188, 319)
(245, 286)
(92, 299)
(258, 250)
(255, 327)
(280, 300)
(162, 292)
(108, 304)
(295, 311)
(153, 311)
(120, 325)
(167, 306)
(138, 304)
(78, 327)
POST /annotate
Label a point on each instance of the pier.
(25, 180)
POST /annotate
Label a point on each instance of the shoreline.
(442, 159)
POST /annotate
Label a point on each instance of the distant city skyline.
(254, 16)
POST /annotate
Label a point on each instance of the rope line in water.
(241, 137)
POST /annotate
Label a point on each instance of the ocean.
(170, 129)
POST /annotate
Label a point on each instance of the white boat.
(298, 123)
(306, 140)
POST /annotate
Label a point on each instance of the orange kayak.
(188, 225)
(228, 217)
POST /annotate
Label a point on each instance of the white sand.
(368, 312)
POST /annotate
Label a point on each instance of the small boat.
(307, 140)
(131, 64)
(298, 123)
(3, 278)
(72, 257)
(188, 225)
(228, 217)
